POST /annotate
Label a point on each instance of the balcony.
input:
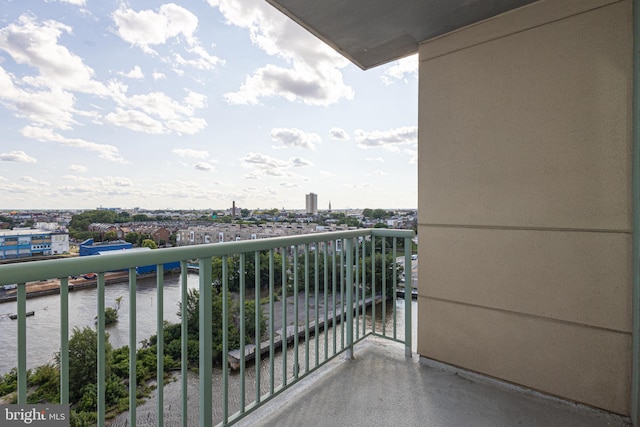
(334, 351)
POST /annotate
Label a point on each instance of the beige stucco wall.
(525, 199)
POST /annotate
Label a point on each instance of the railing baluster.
(101, 410)
(205, 334)
(395, 288)
(364, 287)
(241, 271)
(225, 340)
(373, 284)
(284, 317)
(349, 291)
(160, 342)
(64, 340)
(184, 361)
(326, 300)
(334, 287)
(271, 324)
(383, 271)
(342, 306)
(258, 338)
(132, 348)
(296, 366)
(356, 284)
(22, 344)
(306, 308)
(408, 293)
(316, 284)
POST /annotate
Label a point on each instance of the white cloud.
(339, 134)
(98, 186)
(289, 185)
(74, 2)
(17, 156)
(203, 166)
(105, 151)
(375, 159)
(401, 70)
(147, 28)
(36, 44)
(175, 116)
(135, 73)
(134, 120)
(299, 162)
(190, 153)
(31, 180)
(267, 165)
(78, 168)
(299, 84)
(158, 76)
(380, 173)
(295, 138)
(314, 78)
(391, 139)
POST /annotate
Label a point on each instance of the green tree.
(132, 237)
(81, 221)
(233, 313)
(110, 236)
(83, 350)
(233, 270)
(149, 243)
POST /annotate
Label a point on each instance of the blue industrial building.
(115, 247)
(88, 247)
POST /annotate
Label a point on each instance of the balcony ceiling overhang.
(373, 32)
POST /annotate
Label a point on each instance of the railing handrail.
(42, 270)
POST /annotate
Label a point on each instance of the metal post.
(160, 342)
(184, 368)
(101, 386)
(635, 370)
(349, 291)
(22, 343)
(225, 340)
(408, 293)
(205, 334)
(64, 341)
(243, 332)
(132, 348)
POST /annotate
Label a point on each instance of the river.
(43, 329)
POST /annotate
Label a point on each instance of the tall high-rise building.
(312, 203)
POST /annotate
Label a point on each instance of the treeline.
(364, 265)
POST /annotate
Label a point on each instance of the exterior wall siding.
(525, 199)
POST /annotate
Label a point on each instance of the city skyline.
(190, 105)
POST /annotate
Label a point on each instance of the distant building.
(31, 242)
(312, 204)
(88, 247)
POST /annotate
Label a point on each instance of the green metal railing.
(348, 292)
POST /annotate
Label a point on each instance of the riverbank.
(52, 287)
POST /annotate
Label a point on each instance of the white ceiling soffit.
(373, 32)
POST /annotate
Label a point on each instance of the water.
(43, 329)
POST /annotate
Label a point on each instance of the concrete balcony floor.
(380, 387)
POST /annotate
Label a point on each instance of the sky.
(193, 105)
